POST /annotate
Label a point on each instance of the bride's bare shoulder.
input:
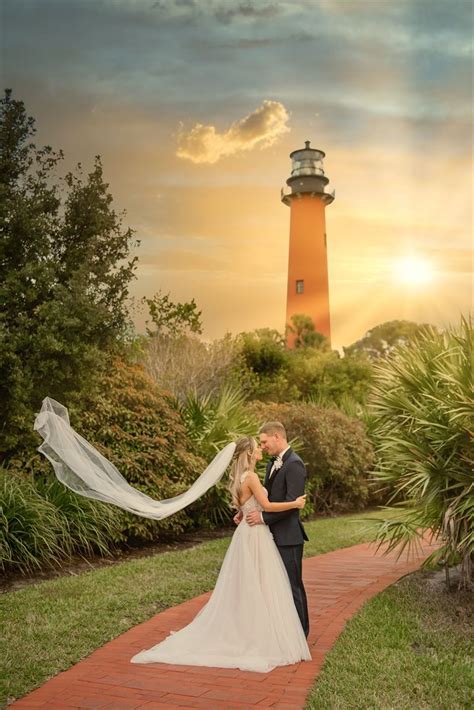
(248, 475)
(252, 477)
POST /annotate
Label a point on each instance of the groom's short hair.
(272, 428)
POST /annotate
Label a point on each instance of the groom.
(284, 480)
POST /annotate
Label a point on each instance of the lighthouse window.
(300, 286)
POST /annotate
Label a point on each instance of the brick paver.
(337, 584)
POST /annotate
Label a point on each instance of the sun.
(413, 271)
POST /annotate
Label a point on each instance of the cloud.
(246, 10)
(260, 129)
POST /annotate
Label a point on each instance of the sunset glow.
(413, 271)
(195, 105)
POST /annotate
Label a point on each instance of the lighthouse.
(308, 290)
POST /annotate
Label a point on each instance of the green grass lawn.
(409, 648)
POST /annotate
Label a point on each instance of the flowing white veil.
(85, 471)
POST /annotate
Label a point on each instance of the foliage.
(306, 335)
(184, 363)
(172, 319)
(65, 267)
(422, 405)
(159, 445)
(335, 449)
(260, 364)
(138, 427)
(326, 377)
(264, 351)
(384, 338)
(211, 423)
(45, 523)
(310, 374)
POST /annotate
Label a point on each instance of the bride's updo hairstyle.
(241, 461)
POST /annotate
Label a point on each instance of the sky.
(195, 105)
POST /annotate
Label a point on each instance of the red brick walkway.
(337, 584)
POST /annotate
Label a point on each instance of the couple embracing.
(257, 616)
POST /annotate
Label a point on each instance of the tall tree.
(307, 336)
(65, 267)
(172, 319)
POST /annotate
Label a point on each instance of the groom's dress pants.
(292, 556)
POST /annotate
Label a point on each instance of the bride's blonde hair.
(241, 462)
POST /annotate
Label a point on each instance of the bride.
(250, 621)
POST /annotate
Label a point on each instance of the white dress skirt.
(250, 621)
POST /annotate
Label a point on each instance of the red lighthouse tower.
(308, 290)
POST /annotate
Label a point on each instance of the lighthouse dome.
(307, 161)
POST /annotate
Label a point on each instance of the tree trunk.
(466, 578)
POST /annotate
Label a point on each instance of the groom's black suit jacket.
(287, 483)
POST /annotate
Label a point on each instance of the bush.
(328, 377)
(212, 422)
(264, 351)
(87, 526)
(275, 374)
(46, 524)
(138, 428)
(159, 446)
(335, 449)
(422, 407)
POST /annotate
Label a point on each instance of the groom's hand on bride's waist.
(254, 518)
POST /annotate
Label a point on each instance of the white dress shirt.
(278, 458)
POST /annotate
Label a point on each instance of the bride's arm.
(261, 496)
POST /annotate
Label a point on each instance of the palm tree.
(422, 405)
(212, 421)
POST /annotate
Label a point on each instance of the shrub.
(46, 523)
(275, 374)
(28, 526)
(335, 449)
(264, 351)
(212, 422)
(87, 526)
(328, 377)
(138, 428)
(422, 407)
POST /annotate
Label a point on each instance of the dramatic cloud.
(246, 10)
(260, 129)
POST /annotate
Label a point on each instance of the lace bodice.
(251, 503)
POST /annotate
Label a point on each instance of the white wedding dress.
(250, 621)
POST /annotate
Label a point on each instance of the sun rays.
(413, 271)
